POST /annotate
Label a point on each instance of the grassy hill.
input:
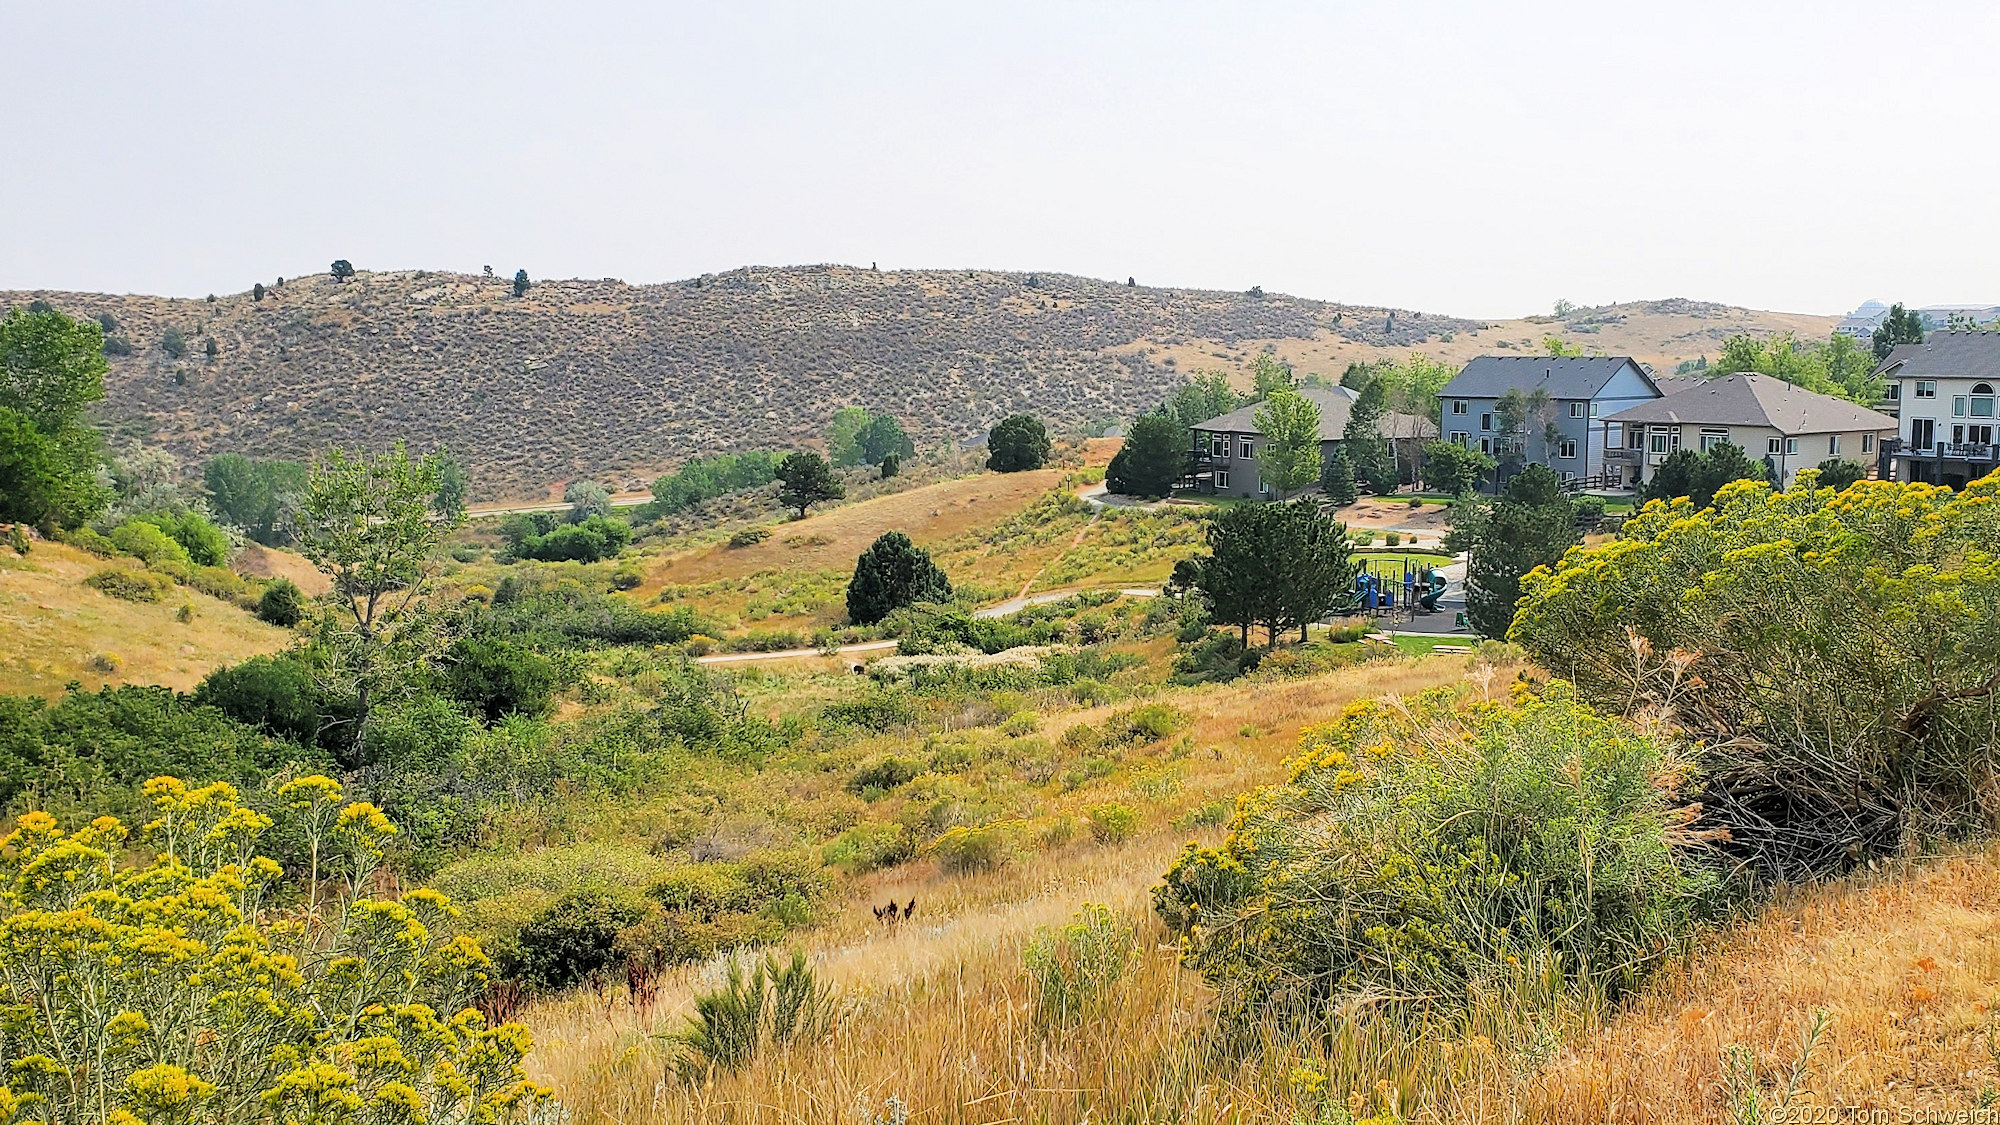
(57, 629)
(618, 381)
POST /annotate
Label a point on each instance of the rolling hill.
(618, 381)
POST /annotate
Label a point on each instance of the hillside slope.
(618, 381)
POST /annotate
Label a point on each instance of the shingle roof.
(1946, 355)
(1490, 376)
(1744, 399)
(1335, 404)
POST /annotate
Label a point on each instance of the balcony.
(1948, 451)
(1619, 455)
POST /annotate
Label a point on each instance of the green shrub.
(1431, 848)
(629, 576)
(749, 536)
(869, 846)
(86, 539)
(879, 710)
(273, 693)
(204, 543)
(17, 538)
(573, 937)
(131, 585)
(1112, 823)
(496, 677)
(1149, 723)
(890, 574)
(1071, 969)
(217, 582)
(147, 543)
(282, 603)
(885, 772)
(967, 849)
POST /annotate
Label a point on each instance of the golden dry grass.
(1905, 962)
(52, 627)
(269, 562)
(942, 1009)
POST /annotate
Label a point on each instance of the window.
(1566, 449)
(1791, 445)
(1486, 445)
(1461, 439)
(1245, 449)
(1593, 409)
(1923, 433)
(1958, 406)
(1982, 400)
(1264, 486)
(1568, 478)
(1979, 435)
(1957, 435)
(1486, 423)
(1636, 439)
(1712, 438)
(1775, 446)
(1927, 388)
(1867, 443)
(1458, 406)
(1892, 393)
(1661, 441)
(1222, 478)
(1982, 388)
(1576, 410)
(1833, 445)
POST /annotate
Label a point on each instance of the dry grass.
(942, 1011)
(54, 629)
(269, 562)
(1905, 962)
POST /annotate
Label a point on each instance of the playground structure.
(1397, 590)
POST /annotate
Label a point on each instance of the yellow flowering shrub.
(175, 990)
(1837, 652)
(1427, 848)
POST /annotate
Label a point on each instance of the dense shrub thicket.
(1429, 849)
(1839, 653)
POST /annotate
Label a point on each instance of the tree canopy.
(892, 573)
(1901, 326)
(51, 368)
(1531, 524)
(1016, 443)
(806, 479)
(258, 496)
(1279, 566)
(1453, 468)
(1837, 367)
(1205, 395)
(1362, 439)
(1699, 476)
(1290, 457)
(1155, 455)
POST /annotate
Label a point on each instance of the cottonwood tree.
(1454, 469)
(1206, 394)
(371, 525)
(51, 368)
(452, 486)
(1270, 375)
(806, 479)
(882, 437)
(255, 496)
(586, 498)
(1290, 457)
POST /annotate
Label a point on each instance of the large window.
(1712, 438)
(1635, 438)
(1461, 439)
(1892, 393)
(1982, 400)
(1576, 410)
(1662, 441)
(1245, 449)
(1923, 433)
(1222, 478)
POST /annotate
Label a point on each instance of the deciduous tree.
(1290, 458)
(51, 368)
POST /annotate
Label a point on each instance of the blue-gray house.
(1558, 402)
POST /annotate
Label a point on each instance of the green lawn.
(1417, 644)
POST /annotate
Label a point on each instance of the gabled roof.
(1745, 399)
(1564, 377)
(1335, 404)
(1946, 355)
(1675, 384)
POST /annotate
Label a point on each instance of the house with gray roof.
(1226, 446)
(1788, 427)
(1945, 390)
(1568, 394)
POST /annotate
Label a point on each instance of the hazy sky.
(1481, 159)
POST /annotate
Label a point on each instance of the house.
(1226, 447)
(1863, 321)
(1945, 386)
(1789, 427)
(1572, 392)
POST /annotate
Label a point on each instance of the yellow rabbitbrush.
(170, 992)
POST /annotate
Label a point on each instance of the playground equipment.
(1378, 586)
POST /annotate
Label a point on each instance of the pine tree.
(520, 283)
(1338, 483)
(806, 479)
(892, 573)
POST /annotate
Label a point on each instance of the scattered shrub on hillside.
(706, 478)
(885, 772)
(968, 849)
(127, 983)
(131, 585)
(17, 539)
(147, 543)
(574, 937)
(596, 538)
(1073, 967)
(628, 576)
(749, 536)
(204, 543)
(1835, 651)
(877, 711)
(87, 539)
(1431, 848)
(272, 693)
(1112, 822)
(869, 846)
(544, 610)
(282, 603)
